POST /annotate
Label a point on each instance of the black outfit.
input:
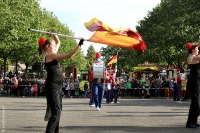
(10, 75)
(53, 90)
(21, 87)
(194, 87)
(175, 92)
(165, 84)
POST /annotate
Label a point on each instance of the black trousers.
(55, 102)
(194, 111)
(175, 94)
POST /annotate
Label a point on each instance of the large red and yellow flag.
(112, 60)
(120, 37)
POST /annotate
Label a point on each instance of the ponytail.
(40, 50)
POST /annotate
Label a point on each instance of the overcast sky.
(115, 13)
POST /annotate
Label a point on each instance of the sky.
(114, 13)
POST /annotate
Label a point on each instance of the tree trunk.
(26, 70)
(16, 64)
(4, 62)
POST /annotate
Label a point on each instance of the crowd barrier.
(121, 91)
(24, 85)
(117, 88)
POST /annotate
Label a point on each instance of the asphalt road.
(26, 115)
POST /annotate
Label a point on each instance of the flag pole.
(116, 62)
(116, 67)
(62, 35)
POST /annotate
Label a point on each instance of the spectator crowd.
(19, 86)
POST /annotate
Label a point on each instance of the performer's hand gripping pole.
(62, 35)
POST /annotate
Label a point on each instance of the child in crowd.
(3, 92)
(88, 94)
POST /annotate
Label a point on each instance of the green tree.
(67, 44)
(19, 44)
(167, 29)
(15, 17)
(90, 57)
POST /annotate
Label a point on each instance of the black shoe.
(197, 124)
(191, 126)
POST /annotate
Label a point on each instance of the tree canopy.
(19, 44)
(166, 29)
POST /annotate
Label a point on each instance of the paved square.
(26, 115)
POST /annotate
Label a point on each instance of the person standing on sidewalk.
(157, 88)
(166, 87)
(179, 86)
(176, 91)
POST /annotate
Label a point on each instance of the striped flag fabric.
(112, 60)
(96, 25)
(119, 37)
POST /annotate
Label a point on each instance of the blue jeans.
(29, 91)
(91, 102)
(157, 92)
(11, 90)
(98, 91)
(103, 90)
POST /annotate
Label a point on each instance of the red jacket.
(90, 75)
(111, 80)
(179, 80)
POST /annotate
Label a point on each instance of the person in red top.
(110, 83)
(91, 102)
(114, 87)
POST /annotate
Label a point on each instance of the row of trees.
(166, 30)
(19, 44)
